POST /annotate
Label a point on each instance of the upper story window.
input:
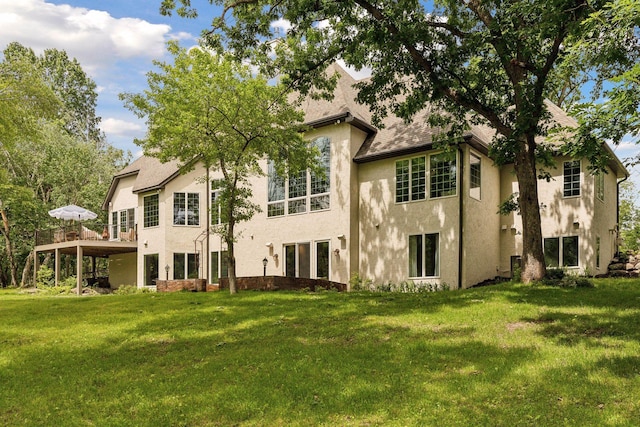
(186, 209)
(474, 176)
(304, 191)
(123, 224)
(411, 177)
(151, 211)
(216, 210)
(571, 178)
(599, 178)
(443, 175)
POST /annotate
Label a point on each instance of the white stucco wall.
(385, 227)
(481, 241)
(123, 270)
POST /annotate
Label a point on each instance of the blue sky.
(115, 42)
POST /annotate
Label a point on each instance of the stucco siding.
(481, 229)
(385, 227)
(123, 270)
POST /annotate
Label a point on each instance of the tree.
(610, 51)
(72, 86)
(476, 61)
(629, 217)
(210, 109)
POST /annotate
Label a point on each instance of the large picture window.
(186, 209)
(185, 266)
(599, 181)
(561, 251)
(424, 255)
(571, 178)
(304, 191)
(151, 211)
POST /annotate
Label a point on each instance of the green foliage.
(559, 277)
(357, 283)
(45, 283)
(629, 217)
(130, 290)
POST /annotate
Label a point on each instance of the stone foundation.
(273, 283)
(625, 266)
(193, 285)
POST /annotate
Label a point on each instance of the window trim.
(186, 209)
(599, 186)
(571, 179)
(561, 251)
(428, 177)
(473, 155)
(305, 197)
(147, 214)
(422, 256)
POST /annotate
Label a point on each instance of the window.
(186, 209)
(298, 260)
(151, 211)
(424, 255)
(114, 225)
(561, 251)
(123, 224)
(216, 210)
(443, 175)
(474, 176)
(275, 192)
(598, 252)
(599, 178)
(150, 269)
(322, 260)
(219, 266)
(320, 183)
(185, 266)
(572, 178)
(411, 179)
(301, 192)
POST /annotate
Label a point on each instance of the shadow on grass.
(255, 359)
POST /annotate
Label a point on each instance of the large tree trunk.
(533, 267)
(9, 248)
(26, 277)
(231, 257)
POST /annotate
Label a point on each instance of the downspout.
(207, 256)
(460, 217)
(618, 212)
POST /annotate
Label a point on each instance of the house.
(394, 209)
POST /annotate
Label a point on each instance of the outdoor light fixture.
(269, 245)
(340, 236)
(166, 270)
(264, 265)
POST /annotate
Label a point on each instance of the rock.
(618, 266)
(619, 273)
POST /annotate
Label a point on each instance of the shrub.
(130, 289)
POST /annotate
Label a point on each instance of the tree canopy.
(209, 108)
(477, 61)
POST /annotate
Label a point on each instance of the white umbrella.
(73, 212)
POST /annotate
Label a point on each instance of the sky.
(116, 41)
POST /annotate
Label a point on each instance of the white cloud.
(94, 37)
(120, 127)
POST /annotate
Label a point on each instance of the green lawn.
(502, 355)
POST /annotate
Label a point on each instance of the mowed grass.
(502, 355)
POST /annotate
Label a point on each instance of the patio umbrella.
(72, 212)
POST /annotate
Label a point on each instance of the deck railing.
(95, 232)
